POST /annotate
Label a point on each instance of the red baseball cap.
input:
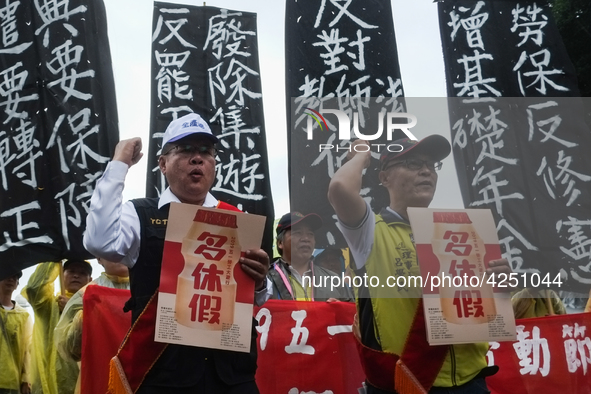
(435, 146)
(293, 218)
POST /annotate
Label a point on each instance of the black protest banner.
(338, 56)
(205, 60)
(58, 125)
(519, 134)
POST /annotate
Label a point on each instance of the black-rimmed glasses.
(417, 164)
(191, 150)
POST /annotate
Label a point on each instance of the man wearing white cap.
(133, 233)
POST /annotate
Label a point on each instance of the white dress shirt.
(113, 229)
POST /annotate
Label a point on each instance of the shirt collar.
(168, 196)
(396, 215)
(293, 271)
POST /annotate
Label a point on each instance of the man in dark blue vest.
(133, 233)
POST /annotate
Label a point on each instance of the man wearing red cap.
(294, 274)
(392, 326)
(133, 233)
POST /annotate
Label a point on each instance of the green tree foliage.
(573, 18)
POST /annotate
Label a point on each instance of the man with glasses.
(133, 233)
(390, 321)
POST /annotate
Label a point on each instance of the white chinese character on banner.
(79, 150)
(231, 83)
(228, 174)
(492, 141)
(172, 80)
(472, 24)
(360, 55)
(233, 127)
(513, 245)
(250, 165)
(312, 96)
(68, 211)
(533, 353)
(236, 178)
(10, 35)
(226, 33)
(577, 347)
(51, 11)
(66, 58)
(560, 176)
(29, 151)
(5, 157)
(11, 83)
(20, 240)
(491, 191)
(475, 84)
(340, 329)
(298, 345)
(487, 132)
(343, 11)
(8, 18)
(531, 24)
(539, 62)
(173, 26)
(578, 238)
(333, 159)
(461, 136)
(332, 45)
(548, 127)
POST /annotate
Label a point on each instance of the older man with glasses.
(382, 245)
(133, 233)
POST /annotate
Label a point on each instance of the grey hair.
(280, 237)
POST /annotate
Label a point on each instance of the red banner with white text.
(551, 355)
(308, 347)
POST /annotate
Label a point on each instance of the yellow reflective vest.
(393, 309)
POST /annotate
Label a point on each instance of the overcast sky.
(421, 63)
(419, 47)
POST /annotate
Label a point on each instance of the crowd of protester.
(129, 242)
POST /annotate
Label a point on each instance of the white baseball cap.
(185, 126)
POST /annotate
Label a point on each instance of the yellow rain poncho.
(40, 293)
(68, 334)
(16, 327)
(529, 303)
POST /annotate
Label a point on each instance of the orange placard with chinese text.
(205, 297)
(461, 304)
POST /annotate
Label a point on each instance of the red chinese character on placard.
(210, 278)
(211, 250)
(468, 303)
(205, 308)
(464, 268)
(458, 245)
